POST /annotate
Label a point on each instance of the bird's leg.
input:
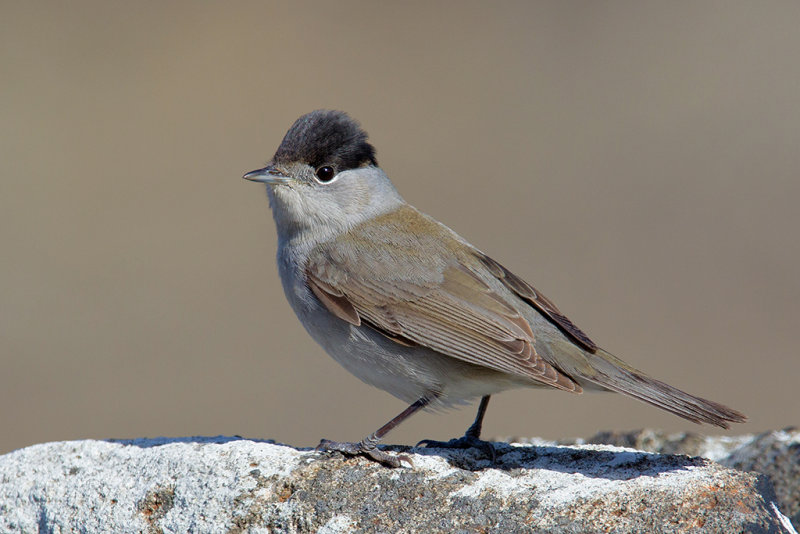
(369, 445)
(474, 431)
(471, 438)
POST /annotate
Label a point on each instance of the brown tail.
(616, 375)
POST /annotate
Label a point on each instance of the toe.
(356, 449)
(431, 443)
(389, 459)
(464, 442)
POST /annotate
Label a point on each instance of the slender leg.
(474, 430)
(369, 445)
(471, 438)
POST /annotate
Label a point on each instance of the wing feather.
(539, 301)
(448, 308)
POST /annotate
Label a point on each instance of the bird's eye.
(325, 174)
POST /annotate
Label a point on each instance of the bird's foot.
(363, 449)
(467, 441)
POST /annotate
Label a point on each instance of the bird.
(407, 305)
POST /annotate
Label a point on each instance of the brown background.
(638, 163)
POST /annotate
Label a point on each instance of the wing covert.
(448, 308)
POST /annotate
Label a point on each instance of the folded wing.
(446, 308)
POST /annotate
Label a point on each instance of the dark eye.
(325, 174)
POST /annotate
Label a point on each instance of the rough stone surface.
(236, 485)
(775, 454)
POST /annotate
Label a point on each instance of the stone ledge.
(236, 485)
(774, 453)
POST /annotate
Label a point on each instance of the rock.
(775, 454)
(235, 485)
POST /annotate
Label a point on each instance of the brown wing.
(539, 301)
(444, 306)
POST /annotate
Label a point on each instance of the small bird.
(407, 305)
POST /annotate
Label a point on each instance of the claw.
(360, 449)
(464, 442)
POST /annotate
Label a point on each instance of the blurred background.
(637, 162)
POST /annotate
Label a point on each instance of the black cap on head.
(326, 137)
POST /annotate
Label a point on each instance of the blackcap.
(407, 305)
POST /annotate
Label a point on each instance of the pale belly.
(408, 373)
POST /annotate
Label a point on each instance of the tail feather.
(612, 373)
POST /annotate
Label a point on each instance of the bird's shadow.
(594, 461)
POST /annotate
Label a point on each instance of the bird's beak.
(268, 175)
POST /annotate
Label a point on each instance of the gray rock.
(236, 485)
(775, 454)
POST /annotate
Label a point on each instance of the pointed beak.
(268, 175)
